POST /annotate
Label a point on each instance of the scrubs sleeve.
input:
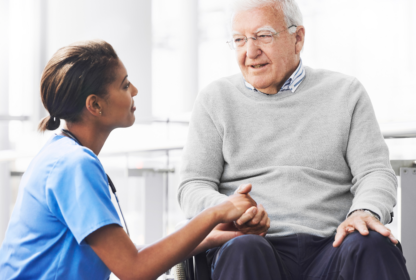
(78, 195)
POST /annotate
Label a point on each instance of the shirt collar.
(291, 84)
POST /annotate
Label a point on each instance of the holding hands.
(254, 220)
(248, 223)
(238, 205)
(240, 215)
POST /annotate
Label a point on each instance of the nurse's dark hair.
(71, 75)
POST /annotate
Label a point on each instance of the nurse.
(64, 225)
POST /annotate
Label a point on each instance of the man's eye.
(238, 40)
(263, 36)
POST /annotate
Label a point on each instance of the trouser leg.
(246, 257)
(372, 257)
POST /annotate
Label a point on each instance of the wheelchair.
(194, 268)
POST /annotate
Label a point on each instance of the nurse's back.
(63, 197)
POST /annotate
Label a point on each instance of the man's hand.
(361, 221)
(247, 224)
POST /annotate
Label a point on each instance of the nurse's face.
(118, 109)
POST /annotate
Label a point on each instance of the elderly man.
(309, 143)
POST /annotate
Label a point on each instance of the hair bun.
(49, 123)
(53, 123)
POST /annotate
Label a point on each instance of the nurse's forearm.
(115, 249)
(120, 255)
(178, 246)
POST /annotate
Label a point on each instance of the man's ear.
(300, 38)
(93, 105)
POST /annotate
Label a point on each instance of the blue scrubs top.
(63, 197)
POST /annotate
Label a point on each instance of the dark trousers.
(307, 257)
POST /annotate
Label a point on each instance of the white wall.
(125, 24)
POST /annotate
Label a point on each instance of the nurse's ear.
(94, 105)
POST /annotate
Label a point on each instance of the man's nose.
(253, 50)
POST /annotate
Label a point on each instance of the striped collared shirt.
(291, 84)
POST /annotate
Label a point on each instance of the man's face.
(267, 67)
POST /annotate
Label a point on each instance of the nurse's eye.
(127, 85)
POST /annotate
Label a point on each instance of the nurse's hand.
(236, 206)
(248, 224)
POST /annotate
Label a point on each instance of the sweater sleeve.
(202, 163)
(374, 182)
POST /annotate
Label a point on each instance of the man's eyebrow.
(124, 79)
(266, 28)
(263, 28)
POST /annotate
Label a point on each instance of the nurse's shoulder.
(62, 160)
(65, 148)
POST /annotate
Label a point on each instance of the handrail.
(14, 118)
(11, 155)
(389, 130)
(398, 130)
(397, 164)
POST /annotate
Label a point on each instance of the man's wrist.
(375, 215)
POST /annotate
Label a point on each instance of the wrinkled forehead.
(257, 19)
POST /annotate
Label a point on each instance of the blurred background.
(172, 49)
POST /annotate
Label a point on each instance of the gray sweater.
(312, 156)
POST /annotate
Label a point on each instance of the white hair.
(291, 11)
